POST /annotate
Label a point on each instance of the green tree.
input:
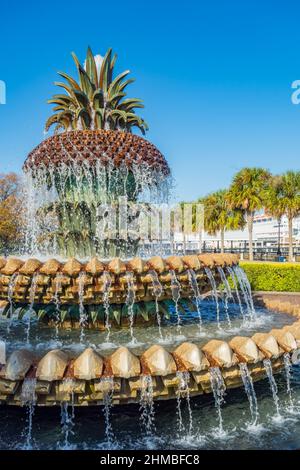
(219, 216)
(283, 198)
(247, 192)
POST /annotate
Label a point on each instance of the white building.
(266, 234)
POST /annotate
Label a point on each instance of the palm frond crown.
(98, 100)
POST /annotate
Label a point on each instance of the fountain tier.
(51, 286)
(59, 377)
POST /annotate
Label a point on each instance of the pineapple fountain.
(77, 274)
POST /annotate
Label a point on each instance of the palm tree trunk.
(290, 222)
(250, 233)
(222, 236)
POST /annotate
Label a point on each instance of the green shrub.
(281, 277)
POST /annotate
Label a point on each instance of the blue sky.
(215, 77)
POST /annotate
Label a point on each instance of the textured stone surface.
(245, 349)
(219, 353)
(190, 357)
(157, 361)
(88, 366)
(52, 366)
(124, 364)
(65, 275)
(267, 344)
(18, 364)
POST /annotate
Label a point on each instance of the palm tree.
(219, 217)
(283, 198)
(247, 194)
(97, 101)
(273, 201)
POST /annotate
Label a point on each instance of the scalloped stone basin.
(42, 284)
(58, 375)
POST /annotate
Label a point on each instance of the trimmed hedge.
(280, 277)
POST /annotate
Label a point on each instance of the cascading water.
(184, 392)
(147, 414)
(250, 392)
(56, 299)
(82, 313)
(106, 291)
(227, 293)
(212, 281)
(175, 288)
(246, 290)
(273, 385)
(157, 291)
(32, 292)
(10, 294)
(218, 388)
(62, 198)
(233, 278)
(288, 368)
(28, 399)
(67, 425)
(108, 390)
(197, 295)
(130, 301)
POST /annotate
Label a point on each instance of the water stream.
(32, 292)
(106, 292)
(214, 293)
(82, 313)
(108, 391)
(273, 385)
(250, 392)
(227, 293)
(184, 392)
(147, 414)
(218, 388)
(130, 301)
(197, 296)
(28, 399)
(176, 288)
(157, 291)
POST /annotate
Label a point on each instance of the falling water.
(56, 298)
(147, 405)
(218, 387)
(82, 313)
(227, 293)
(70, 385)
(28, 398)
(273, 385)
(288, 368)
(175, 288)
(108, 392)
(250, 392)
(106, 290)
(32, 292)
(157, 291)
(58, 186)
(184, 391)
(197, 295)
(130, 300)
(214, 292)
(246, 290)
(10, 294)
(67, 424)
(233, 278)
